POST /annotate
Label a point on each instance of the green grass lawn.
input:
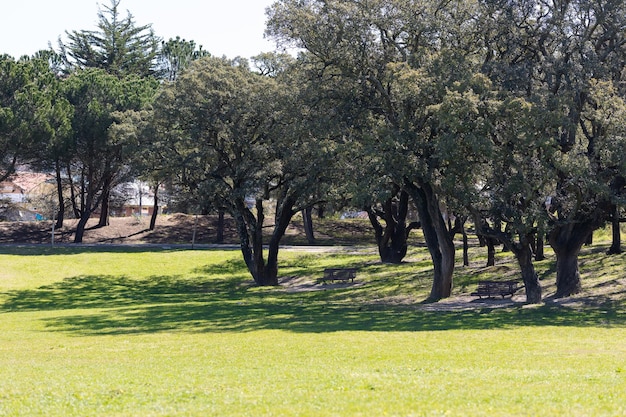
(88, 332)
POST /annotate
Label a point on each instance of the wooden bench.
(491, 289)
(339, 274)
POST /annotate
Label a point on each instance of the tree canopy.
(510, 113)
(119, 46)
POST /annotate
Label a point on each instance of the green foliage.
(177, 54)
(215, 122)
(101, 154)
(118, 46)
(33, 112)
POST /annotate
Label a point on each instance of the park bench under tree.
(339, 274)
(491, 289)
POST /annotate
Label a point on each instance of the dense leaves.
(508, 112)
(119, 46)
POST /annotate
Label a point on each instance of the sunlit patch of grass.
(169, 333)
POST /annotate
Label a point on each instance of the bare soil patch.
(170, 229)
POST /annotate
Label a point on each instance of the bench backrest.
(340, 272)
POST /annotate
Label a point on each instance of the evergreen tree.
(118, 46)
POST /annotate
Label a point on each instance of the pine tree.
(118, 46)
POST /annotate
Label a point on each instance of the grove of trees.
(510, 114)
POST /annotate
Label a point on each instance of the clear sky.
(223, 27)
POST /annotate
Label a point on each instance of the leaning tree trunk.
(438, 240)
(80, 227)
(155, 208)
(567, 241)
(283, 218)
(248, 239)
(61, 210)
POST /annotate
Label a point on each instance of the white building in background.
(138, 200)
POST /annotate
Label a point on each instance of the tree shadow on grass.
(122, 305)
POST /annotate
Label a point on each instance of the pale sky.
(223, 27)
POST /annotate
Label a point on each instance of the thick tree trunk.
(307, 218)
(390, 247)
(80, 228)
(438, 240)
(567, 273)
(616, 243)
(567, 241)
(283, 218)
(250, 230)
(524, 255)
(391, 238)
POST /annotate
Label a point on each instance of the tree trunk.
(438, 240)
(392, 238)
(307, 217)
(524, 255)
(155, 207)
(250, 229)
(465, 246)
(244, 240)
(567, 273)
(75, 208)
(220, 226)
(104, 210)
(567, 241)
(104, 207)
(539, 246)
(80, 228)
(61, 211)
(616, 243)
(459, 227)
(491, 251)
(283, 218)
(321, 211)
(520, 247)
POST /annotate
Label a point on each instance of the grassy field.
(133, 332)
